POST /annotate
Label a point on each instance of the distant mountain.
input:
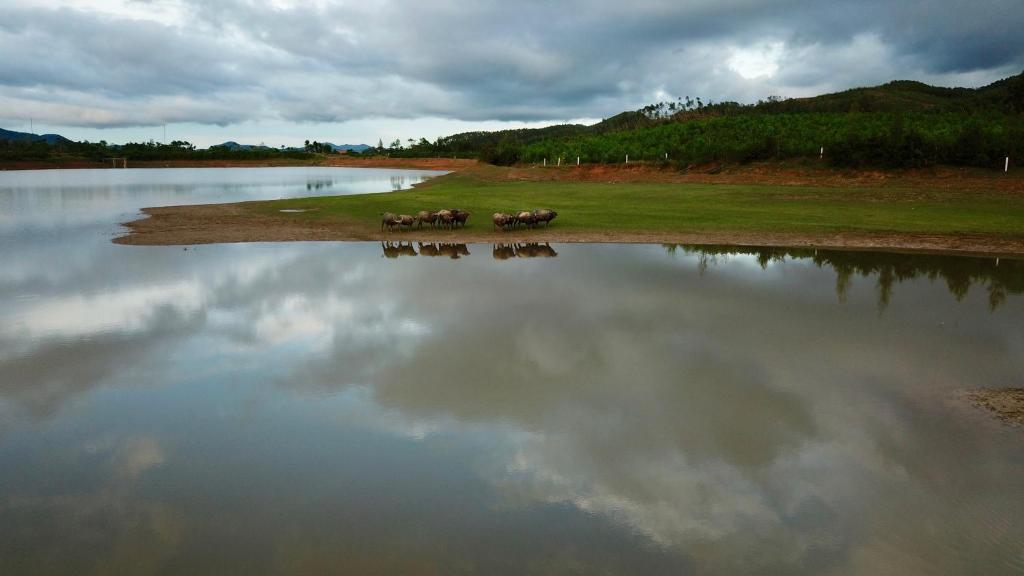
(1005, 95)
(350, 147)
(26, 137)
(235, 146)
(232, 145)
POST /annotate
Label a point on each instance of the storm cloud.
(123, 63)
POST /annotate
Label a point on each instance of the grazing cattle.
(501, 220)
(406, 221)
(526, 219)
(388, 219)
(428, 217)
(445, 218)
(459, 217)
(545, 216)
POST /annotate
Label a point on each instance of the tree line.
(139, 151)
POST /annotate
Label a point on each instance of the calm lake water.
(446, 409)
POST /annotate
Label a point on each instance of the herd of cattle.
(523, 218)
(451, 219)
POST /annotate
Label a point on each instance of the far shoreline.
(339, 161)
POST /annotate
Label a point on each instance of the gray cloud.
(145, 63)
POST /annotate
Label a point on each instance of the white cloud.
(125, 63)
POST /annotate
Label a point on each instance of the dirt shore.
(777, 174)
(1006, 404)
(233, 223)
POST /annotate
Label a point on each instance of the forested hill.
(1006, 95)
(12, 136)
(902, 123)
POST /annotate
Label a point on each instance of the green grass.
(589, 206)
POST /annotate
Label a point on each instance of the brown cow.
(526, 219)
(459, 217)
(388, 219)
(428, 217)
(445, 218)
(545, 216)
(406, 221)
(500, 220)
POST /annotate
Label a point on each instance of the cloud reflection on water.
(736, 417)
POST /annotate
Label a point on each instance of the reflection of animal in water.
(533, 250)
(429, 250)
(388, 219)
(396, 249)
(453, 251)
(503, 251)
(529, 250)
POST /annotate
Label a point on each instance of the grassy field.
(673, 207)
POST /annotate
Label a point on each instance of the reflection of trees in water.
(523, 250)
(1000, 277)
(319, 184)
(399, 249)
(397, 182)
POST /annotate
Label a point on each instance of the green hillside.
(899, 124)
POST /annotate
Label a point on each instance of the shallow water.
(431, 408)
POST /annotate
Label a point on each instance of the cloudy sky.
(344, 71)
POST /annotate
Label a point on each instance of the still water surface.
(421, 408)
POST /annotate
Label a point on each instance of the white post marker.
(666, 155)
(559, 160)
(577, 160)
(1006, 165)
(545, 161)
(822, 153)
(627, 158)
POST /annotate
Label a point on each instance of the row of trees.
(722, 133)
(891, 140)
(144, 151)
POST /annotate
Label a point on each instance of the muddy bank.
(236, 222)
(1006, 404)
(771, 173)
